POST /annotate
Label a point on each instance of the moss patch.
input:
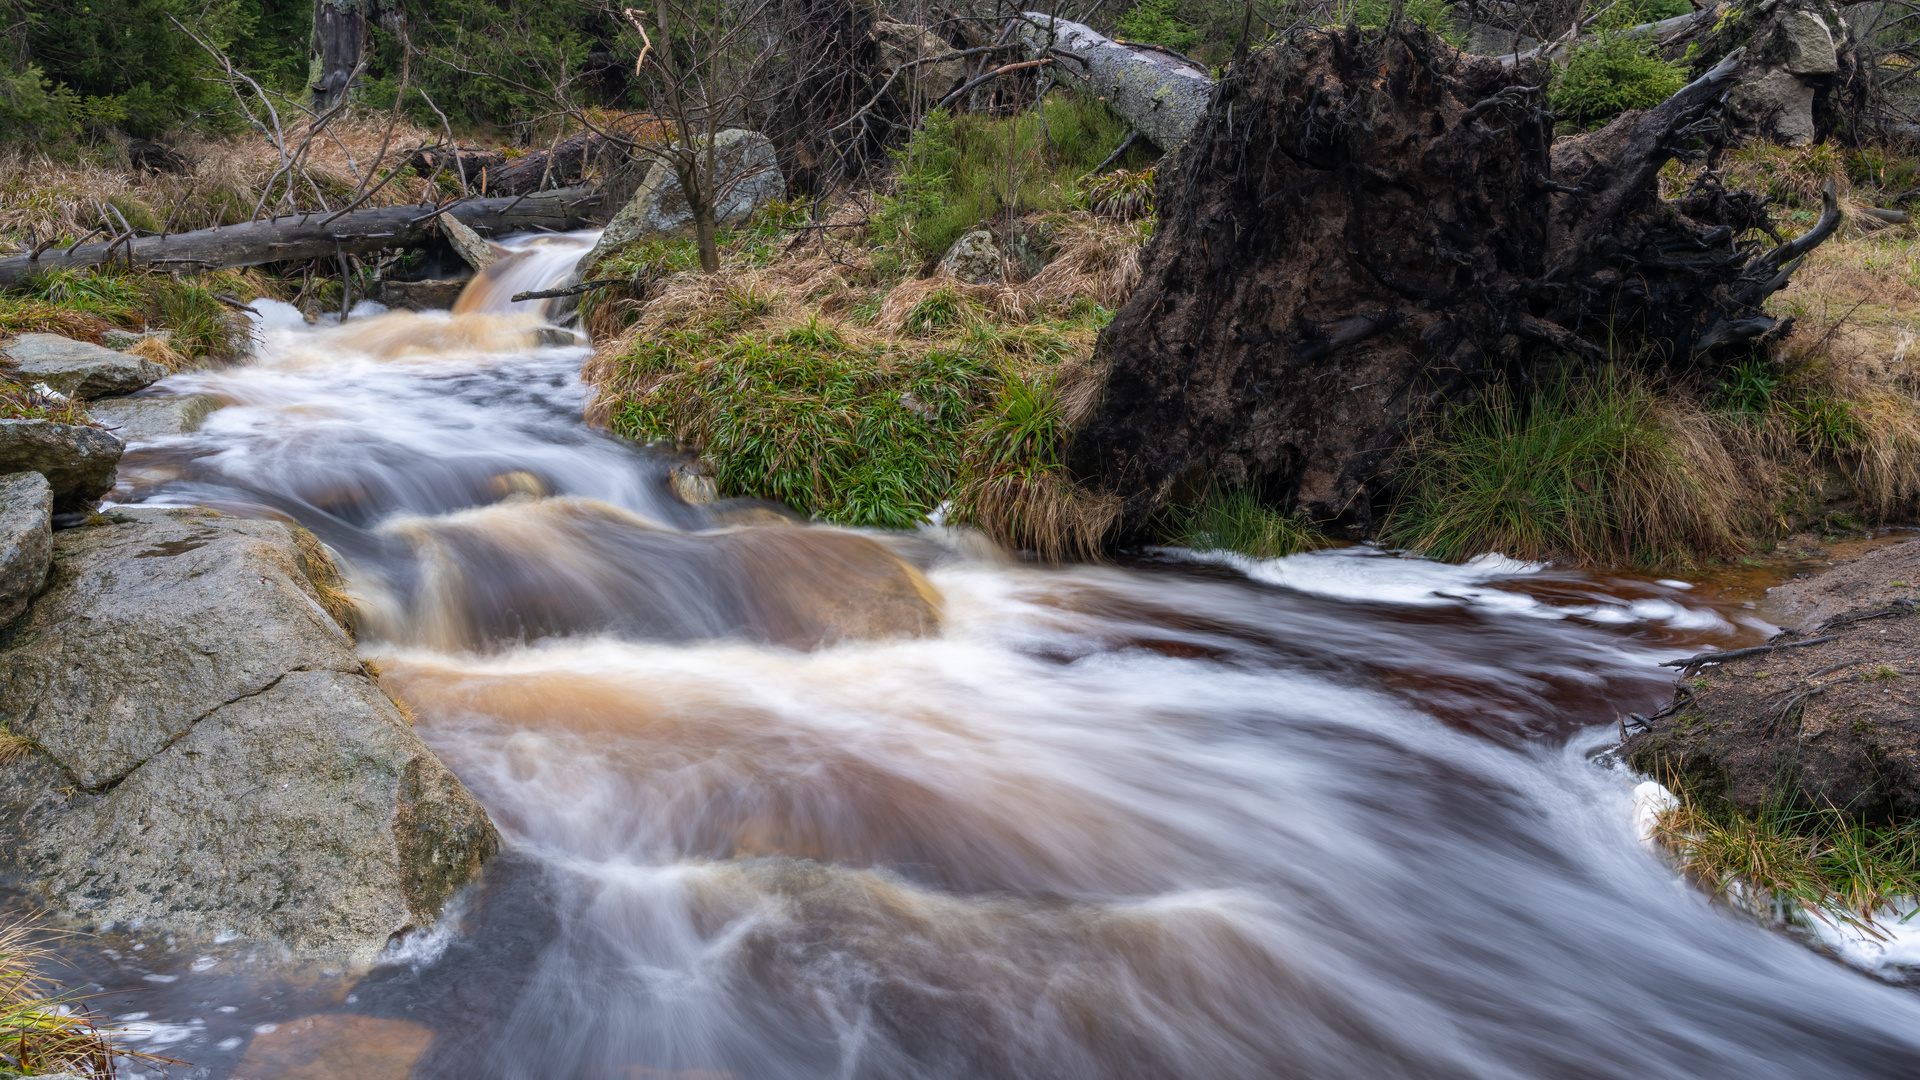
(86, 304)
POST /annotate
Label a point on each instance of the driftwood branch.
(989, 77)
(1736, 654)
(572, 290)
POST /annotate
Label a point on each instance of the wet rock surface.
(26, 539)
(211, 756)
(1827, 714)
(80, 369)
(144, 419)
(78, 461)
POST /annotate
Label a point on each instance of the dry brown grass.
(1047, 513)
(1099, 260)
(318, 567)
(42, 197)
(157, 350)
(42, 1030)
(1852, 370)
(378, 674)
(14, 747)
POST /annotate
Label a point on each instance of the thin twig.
(1757, 650)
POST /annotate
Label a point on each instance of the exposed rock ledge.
(210, 757)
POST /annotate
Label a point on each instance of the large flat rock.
(26, 540)
(145, 419)
(212, 756)
(747, 171)
(78, 461)
(79, 369)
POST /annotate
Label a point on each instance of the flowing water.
(786, 801)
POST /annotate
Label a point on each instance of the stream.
(1343, 814)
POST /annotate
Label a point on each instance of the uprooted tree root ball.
(1373, 226)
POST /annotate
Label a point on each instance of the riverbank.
(1797, 762)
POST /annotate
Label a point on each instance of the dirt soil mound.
(1827, 714)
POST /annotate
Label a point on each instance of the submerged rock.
(570, 565)
(78, 461)
(430, 295)
(211, 756)
(816, 586)
(749, 178)
(26, 539)
(144, 419)
(79, 369)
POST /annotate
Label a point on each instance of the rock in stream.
(210, 756)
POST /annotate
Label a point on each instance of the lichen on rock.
(210, 754)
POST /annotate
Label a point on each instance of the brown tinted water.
(799, 802)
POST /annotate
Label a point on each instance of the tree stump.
(1369, 225)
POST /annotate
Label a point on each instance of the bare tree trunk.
(339, 41)
(703, 232)
(1160, 96)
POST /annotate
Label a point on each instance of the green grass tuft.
(865, 435)
(42, 1031)
(1236, 520)
(961, 170)
(1824, 861)
(1434, 15)
(84, 303)
(1600, 471)
(1615, 73)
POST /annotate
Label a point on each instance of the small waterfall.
(531, 263)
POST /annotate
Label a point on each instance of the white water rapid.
(1336, 816)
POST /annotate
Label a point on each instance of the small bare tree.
(790, 69)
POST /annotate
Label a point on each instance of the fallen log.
(306, 236)
(468, 160)
(1163, 98)
(565, 164)
(1372, 226)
